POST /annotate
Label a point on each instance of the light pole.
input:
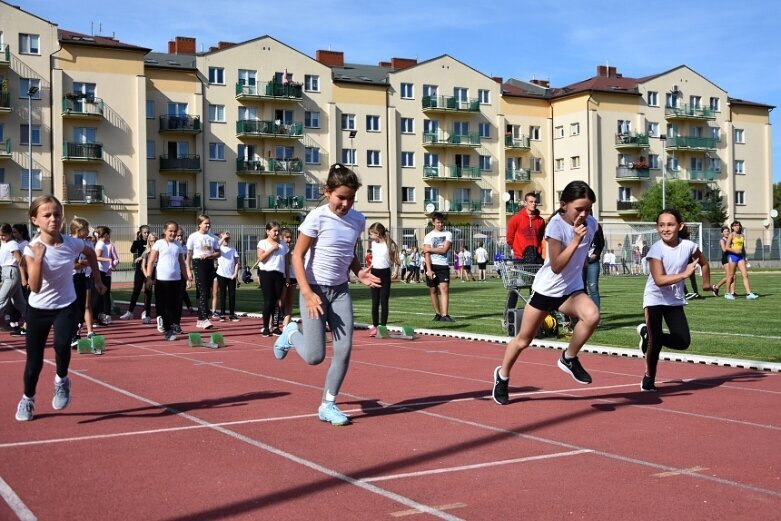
(663, 138)
(353, 133)
(32, 91)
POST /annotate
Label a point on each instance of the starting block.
(406, 333)
(215, 342)
(91, 346)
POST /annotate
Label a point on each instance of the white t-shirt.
(275, 261)
(57, 289)
(467, 258)
(437, 239)
(327, 263)
(168, 267)
(103, 249)
(202, 244)
(7, 250)
(380, 255)
(674, 261)
(570, 279)
(481, 255)
(226, 262)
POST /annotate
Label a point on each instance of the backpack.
(246, 276)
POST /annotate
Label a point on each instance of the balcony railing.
(450, 103)
(290, 203)
(517, 176)
(691, 143)
(84, 106)
(180, 202)
(250, 167)
(632, 140)
(188, 163)
(88, 194)
(5, 56)
(632, 173)
(517, 142)
(82, 151)
(626, 206)
(5, 101)
(252, 127)
(466, 206)
(248, 203)
(464, 173)
(703, 176)
(286, 166)
(451, 140)
(181, 123)
(5, 148)
(271, 90)
(513, 206)
(430, 206)
(687, 111)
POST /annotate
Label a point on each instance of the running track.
(160, 431)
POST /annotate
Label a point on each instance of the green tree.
(777, 204)
(713, 210)
(677, 196)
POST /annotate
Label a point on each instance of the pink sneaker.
(373, 331)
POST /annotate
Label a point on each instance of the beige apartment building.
(246, 132)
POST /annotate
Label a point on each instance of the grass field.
(738, 329)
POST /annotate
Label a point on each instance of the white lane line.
(476, 466)
(15, 503)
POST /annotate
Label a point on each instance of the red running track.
(160, 431)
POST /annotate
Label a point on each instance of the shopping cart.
(517, 275)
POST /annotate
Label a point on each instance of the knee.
(590, 317)
(313, 358)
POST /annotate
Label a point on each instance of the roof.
(170, 61)
(738, 101)
(364, 74)
(614, 84)
(72, 37)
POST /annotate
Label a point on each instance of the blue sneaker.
(283, 343)
(329, 412)
(24, 411)
(62, 394)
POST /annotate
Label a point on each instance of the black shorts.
(441, 276)
(546, 303)
(481, 265)
(468, 268)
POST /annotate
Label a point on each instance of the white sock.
(57, 379)
(32, 399)
(329, 397)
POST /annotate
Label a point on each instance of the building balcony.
(5, 102)
(85, 107)
(631, 140)
(517, 176)
(180, 202)
(631, 173)
(269, 129)
(469, 207)
(254, 167)
(451, 173)
(248, 204)
(513, 206)
(690, 143)
(180, 163)
(449, 104)
(5, 149)
(184, 124)
(87, 152)
(687, 111)
(278, 203)
(5, 56)
(440, 139)
(84, 194)
(517, 143)
(626, 207)
(270, 90)
(703, 176)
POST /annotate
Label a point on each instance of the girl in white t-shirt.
(52, 301)
(272, 267)
(670, 263)
(325, 253)
(228, 266)
(203, 249)
(559, 285)
(385, 266)
(10, 259)
(165, 269)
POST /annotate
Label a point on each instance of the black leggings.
(227, 286)
(381, 296)
(39, 324)
(168, 298)
(204, 276)
(139, 280)
(271, 284)
(678, 338)
(102, 303)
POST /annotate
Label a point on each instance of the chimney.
(541, 83)
(611, 72)
(385, 64)
(171, 47)
(224, 45)
(497, 79)
(330, 58)
(602, 71)
(181, 45)
(403, 63)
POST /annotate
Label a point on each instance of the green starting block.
(215, 342)
(91, 346)
(406, 333)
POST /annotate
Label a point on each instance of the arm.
(312, 301)
(263, 255)
(34, 263)
(559, 253)
(703, 262)
(188, 283)
(442, 250)
(23, 273)
(150, 264)
(187, 264)
(663, 279)
(511, 227)
(730, 249)
(92, 260)
(599, 244)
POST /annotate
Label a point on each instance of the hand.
(39, 249)
(314, 306)
(149, 282)
(690, 268)
(366, 277)
(100, 287)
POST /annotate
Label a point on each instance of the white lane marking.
(15, 503)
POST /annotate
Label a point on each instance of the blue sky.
(734, 45)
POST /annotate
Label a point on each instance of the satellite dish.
(447, 206)
(766, 223)
(773, 213)
(430, 207)
(506, 196)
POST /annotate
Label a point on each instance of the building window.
(374, 193)
(216, 152)
(558, 132)
(217, 75)
(695, 102)
(24, 134)
(740, 198)
(715, 164)
(653, 129)
(534, 133)
(575, 161)
(312, 192)
(311, 83)
(408, 159)
(247, 77)
(624, 194)
(217, 113)
(653, 160)
(248, 114)
(536, 164)
(484, 129)
(461, 94)
(407, 194)
(574, 129)
(151, 191)
(36, 179)
(740, 167)
(484, 96)
(29, 44)
(740, 136)
(715, 104)
(624, 126)
(715, 133)
(486, 196)
(559, 164)
(150, 109)
(373, 158)
(407, 92)
(407, 126)
(485, 163)
(348, 156)
(24, 87)
(372, 123)
(671, 100)
(312, 155)
(652, 98)
(150, 149)
(216, 190)
(312, 119)
(430, 90)
(348, 121)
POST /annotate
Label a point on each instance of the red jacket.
(523, 231)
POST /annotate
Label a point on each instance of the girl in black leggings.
(202, 250)
(385, 265)
(272, 267)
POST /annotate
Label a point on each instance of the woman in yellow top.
(736, 255)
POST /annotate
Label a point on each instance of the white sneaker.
(160, 326)
(126, 316)
(24, 411)
(146, 320)
(204, 324)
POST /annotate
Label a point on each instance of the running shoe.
(283, 343)
(160, 325)
(234, 318)
(373, 331)
(729, 296)
(500, 391)
(446, 318)
(715, 290)
(437, 318)
(648, 385)
(572, 367)
(752, 296)
(24, 411)
(170, 335)
(329, 412)
(62, 394)
(127, 315)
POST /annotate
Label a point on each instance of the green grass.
(736, 329)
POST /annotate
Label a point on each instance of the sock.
(503, 378)
(57, 379)
(329, 397)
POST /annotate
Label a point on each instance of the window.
(696, 164)
(24, 87)
(312, 155)
(740, 136)
(374, 193)
(695, 102)
(559, 164)
(485, 163)
(407, 194)
(624, 194)
(696, 132)
(177, 109)
(247, 77)
(461, 94)
(715, 164)
(558, 132)
(216, 151)
(623, 126)
(671, 100)
(217, 75)
(285, 189)
(534, 133)
(698, 194)
(486, 196)
(24, 134)
(407, 92)
(85, 134)
(348, 156)
(574, 162)
(653, 129)
(312, 192)
(715, 104)
(740, 198)
(652, 98)
(373, 158)
(430, 126)
(311, 83)
(348, 121)
(715, 133)
(484, 96)
(461, 128)
(29, 44)
(372, 123)
(407, 126)
(484, 130)
(536, 164)
(740, 167)
(36, 179)
(151, 190)
(248, 113)
(150, 109)
(407, 159)
(653, 160)
(312, 119)
(150, 148)
(574, 129)
(176, 188)
(430, 90)
(216, 190)
(431, 194)
(248, 192)
(217, 113)
(462, 195)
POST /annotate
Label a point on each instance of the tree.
(777, 204)
(677, 196)
(713, 210)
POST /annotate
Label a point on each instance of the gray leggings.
(338, 312)
(11, 290)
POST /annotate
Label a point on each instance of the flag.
(284, 78)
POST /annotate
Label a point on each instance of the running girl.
(385, 266)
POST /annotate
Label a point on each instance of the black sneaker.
(446, 318)
(19, 331)
(265, 332)
(177, 330)
(437, 318)
(573, 368)
(234, 318)
(648, 385)
(642, 330)
(276, 331)
(500, 392)
(75, 341)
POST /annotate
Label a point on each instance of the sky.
(736, 46)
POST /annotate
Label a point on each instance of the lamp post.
(353, 133)
(32, 91)
(663, 138)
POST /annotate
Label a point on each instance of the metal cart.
(517, 275)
